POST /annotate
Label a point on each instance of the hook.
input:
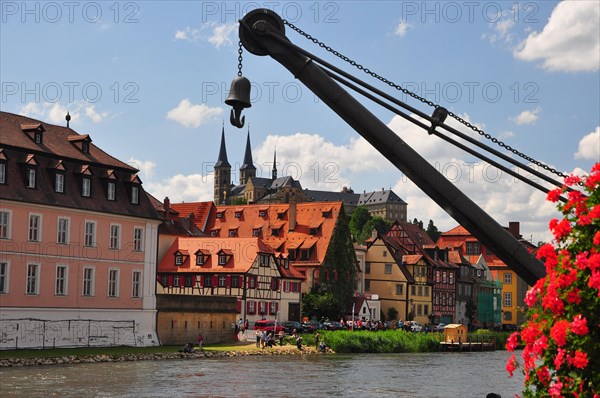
(236, 117)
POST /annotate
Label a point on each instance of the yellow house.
(401, 285)
(455, 333)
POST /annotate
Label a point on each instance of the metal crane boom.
(262, 33)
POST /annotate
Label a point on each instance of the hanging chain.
(423, 100)
(240, 50)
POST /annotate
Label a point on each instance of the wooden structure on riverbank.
(483, 345)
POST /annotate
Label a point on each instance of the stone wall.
(181, 318)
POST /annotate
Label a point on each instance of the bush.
(386, 341)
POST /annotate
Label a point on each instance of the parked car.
(333, 325)
(439, 327)
(311, 326)
(267, 325)
(416, 327)
(290, 326)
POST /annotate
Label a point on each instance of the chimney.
(514, 227)
(167, 207)
(292, 213)
(191, 222)
(382, 190)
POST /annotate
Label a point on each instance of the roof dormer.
(180, 257)
(201, 256)
(224, 256)
(35, 131)
(81, 142)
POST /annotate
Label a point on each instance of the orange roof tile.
(242, 250)
(201, 211)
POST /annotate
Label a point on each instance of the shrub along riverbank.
(385, 341)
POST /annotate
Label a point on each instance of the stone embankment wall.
(12, 362)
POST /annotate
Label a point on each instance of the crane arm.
(262, 33)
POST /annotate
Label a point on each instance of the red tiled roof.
(201, 211)
(243, 251)
(411, 259)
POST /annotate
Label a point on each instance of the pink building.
(78, 242)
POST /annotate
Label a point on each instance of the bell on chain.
(238, 98)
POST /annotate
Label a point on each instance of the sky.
(147, 81)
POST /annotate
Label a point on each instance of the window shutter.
(215, 280)
(238, 306)
(170, 280)
(228, 281)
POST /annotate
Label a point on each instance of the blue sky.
(147, 80)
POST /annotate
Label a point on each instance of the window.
(273, 308)
(200, 259)
(275, 284)
(413, 290)
(136, 284)
(135, 195)
(508, 299)
(188, 281)
(214, 232)
(436, 299)
(62, 230)
(5, 224)
(451, 277)
(164, 280)
(32, 279)
(437, 276)
(30, 178)
(251, 307)
(388, 268)
(3, 277)
(86, 187)
(235, 281)
(89, 237)
(61, 280)
(367, 268)
(238, 214)
(111, 190)
(178, 259)
(113, 283)
(264, 260)
(88, 282)
(507, 315)
(2, 173)
(222, 280)
(207, 280)
(176, 281)
(220, 214)
(35, 227)
(399, 288)
(115, 236)
(507, 278)
(426, 309)
(367, 285)
(222, 259)
(444, 297)
(59, 183)
(473, 248)
(38, 137)
(262, 308)
(138, 239)
(450, 299)
(444, 277)
(426, 290)
(385, 253)
(304, 254)
(419, 309)
(251, 282)
(256, 232)
(419, 290)
(232, 232)
(85, 146)
(275, 231)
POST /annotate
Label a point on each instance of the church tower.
(222, 175)
(274, 171)
(247, 170)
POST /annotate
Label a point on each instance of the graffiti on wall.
(39, 333)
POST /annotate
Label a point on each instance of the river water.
(343, 375)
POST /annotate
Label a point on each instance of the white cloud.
(182, 188)
(56, 112)
(217, 34)
(569, 42)
(401, 28)
(589, 146)
(221, 34)
(146, 167)
(527, 116)
(506, 134)
(190, 115)
(90, 111)
(502, 28)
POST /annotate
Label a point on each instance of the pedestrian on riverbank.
(200, 340)
(281, 336)
(257, 338)
(317, 337)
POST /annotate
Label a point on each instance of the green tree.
(375, 223)
(238, 200)
(433, 231)
(359, 218)
(392, 313)
(471, 310)
(418, 222)
(334, 288)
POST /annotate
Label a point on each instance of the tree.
(375, 223)
(238, 200)
(392, 313)
(561, 335)
(471, 311)
(334, 288)
(359, 218)
(433, 231)
(418, 222)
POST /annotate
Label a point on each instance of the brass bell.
(238, 98)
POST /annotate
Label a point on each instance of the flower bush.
(561, 355)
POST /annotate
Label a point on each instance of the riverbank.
(34, 357)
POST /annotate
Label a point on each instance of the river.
(343, 375)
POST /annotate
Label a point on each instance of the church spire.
(222, 161)
(274, 172)
(247, 170)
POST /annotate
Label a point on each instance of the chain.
(240, 50)
(423, 100)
